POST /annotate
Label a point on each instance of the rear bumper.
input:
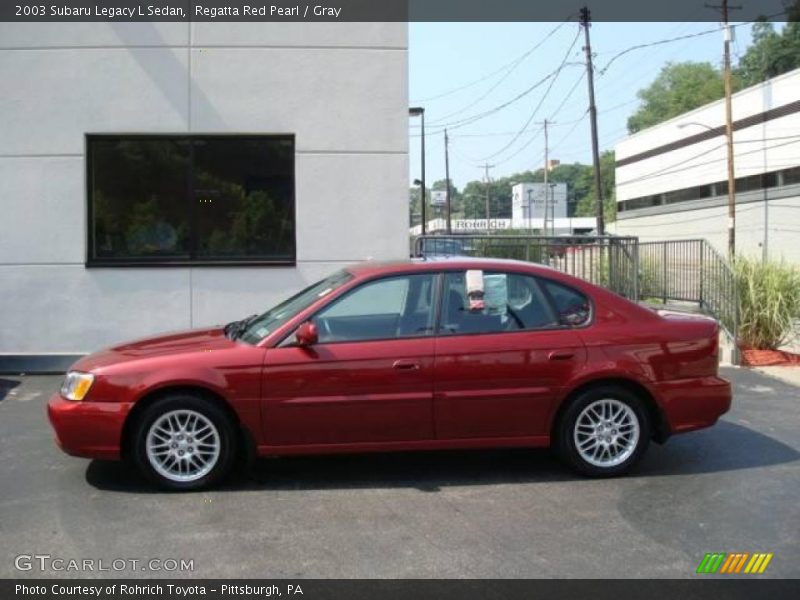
(88, 429)
(695, 403)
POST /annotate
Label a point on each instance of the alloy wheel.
(183, 445)
(606, 433)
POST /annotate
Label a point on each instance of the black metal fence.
(689, 271)
(609, 261)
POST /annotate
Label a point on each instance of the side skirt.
(540, 441)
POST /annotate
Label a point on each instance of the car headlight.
(76, 385)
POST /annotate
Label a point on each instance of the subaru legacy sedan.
(414, 355)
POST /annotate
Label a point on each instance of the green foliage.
(502, 247)
(584, 189)
(651, 280)
(771, 53)
(679, 88)
(769, 302)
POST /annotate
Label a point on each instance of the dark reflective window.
(244, 196)
(720, 188)
(139, 199)
(509, 302)
(194, 199)
(574, 309)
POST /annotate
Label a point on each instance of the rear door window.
(574, 308)
(493, 302)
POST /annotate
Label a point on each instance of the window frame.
(437, 277)
(542, 288)
(94, 262)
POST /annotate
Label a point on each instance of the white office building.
(160, 176)
(672, 179)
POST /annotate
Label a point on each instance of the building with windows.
(672, 180)
(160, 176)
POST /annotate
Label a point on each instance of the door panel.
(349, 392)
(501, 385)
(500, 362)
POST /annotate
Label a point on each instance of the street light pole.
(447, 180)
(419, 111)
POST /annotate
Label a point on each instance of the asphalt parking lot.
(732, 488)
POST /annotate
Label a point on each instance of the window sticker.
(496, 294)
(475, 290)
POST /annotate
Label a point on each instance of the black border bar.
(380, 10)
(699, 587)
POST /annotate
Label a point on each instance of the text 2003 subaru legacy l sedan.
(456, 353)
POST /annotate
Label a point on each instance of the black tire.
(565, 430)
(225, 429)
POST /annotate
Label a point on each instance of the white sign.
(438, 198)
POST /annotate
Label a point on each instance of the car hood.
(178, 342)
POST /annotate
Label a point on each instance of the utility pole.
(729, 134)
(486, 167)
(447, 180)
(586, 23)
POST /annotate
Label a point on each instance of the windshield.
(261, 326)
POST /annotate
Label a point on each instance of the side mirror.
(306, 334)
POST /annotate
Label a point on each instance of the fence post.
(636, 271)
(702, 274)
(612, 267)
(664, 273)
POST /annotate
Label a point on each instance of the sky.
(444, 57)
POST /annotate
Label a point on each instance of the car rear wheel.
(604, 431)
(184, 442)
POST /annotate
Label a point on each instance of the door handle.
(560, 355)
(405, 365)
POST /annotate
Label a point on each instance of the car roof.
(372, 268)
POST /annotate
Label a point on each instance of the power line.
(677, 39)
(574, 124)
(510, 65)
(541, 101)
(656, 43)
(501, 80)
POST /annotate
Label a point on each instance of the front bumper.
(88, 429)
(695, 403)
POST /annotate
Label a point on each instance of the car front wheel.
(604, 431)
(184, 443)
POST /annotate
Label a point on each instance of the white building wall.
(768, 146)
(781, 234)
(341, 88)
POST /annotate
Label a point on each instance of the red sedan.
(415, 355)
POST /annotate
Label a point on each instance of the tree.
(586, 199)
(771, 53)
(679, 88)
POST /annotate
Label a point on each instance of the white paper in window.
(474, 283)
(495, 293)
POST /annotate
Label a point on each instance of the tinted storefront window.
(187, 199)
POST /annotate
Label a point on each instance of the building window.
(178, 200)
(750, 183)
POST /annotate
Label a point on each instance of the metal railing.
(690, 271)
(609, 261)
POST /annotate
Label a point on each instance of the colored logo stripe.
(722, 562)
